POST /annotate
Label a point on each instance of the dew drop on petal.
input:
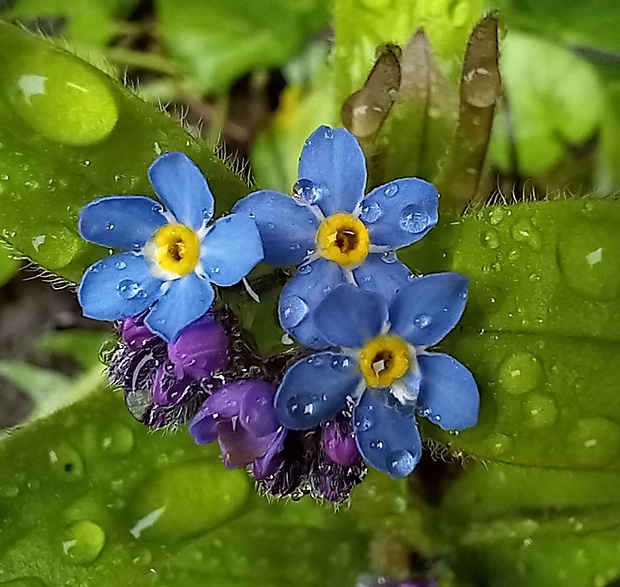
(391, 189)
(422, 321)
(389, 257)
(120, 265)
(305, 269)
(129, 289)
(371, 213)
(414, 219)
(293, 311)
(401, 463)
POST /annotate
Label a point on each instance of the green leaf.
(89, 495)
(541, 332)
(9, 266)
(216, 42)
(513, 526)
(69, 134)
(555, 99)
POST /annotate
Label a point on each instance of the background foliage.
(87, 497)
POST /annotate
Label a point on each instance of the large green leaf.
(90, 496)
(216, 42)
(68, 134)
(541, 332)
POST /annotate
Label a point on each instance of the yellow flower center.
(384, 360)
(176, 248)
(344, 239)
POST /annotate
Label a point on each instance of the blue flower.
(333, 232)
(172, 256)
(384, 369)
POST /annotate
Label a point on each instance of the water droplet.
(363, 424)
(588, 260)
(371, 213)
(186, 500)
(305, 269)
(328, 134)
(340, 363)
(271, 225)
(524, 232)
(376, 445)
(81, 542)
(117, 440)
(129, 289)
(401, 463)
(59, 97)
(56, 245)
(66, 463)
(422, 321)
(595, 442)
(390, 190)
(9, 489)
(414, 219)
(308, 191)
(539, 411)
(120, 265)
(389, 257)
(499, 443)
(292, 311)
(496, 215)
(490, 238)
(520, 373)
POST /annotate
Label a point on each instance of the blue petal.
(300, 297)
(187, 299)
(315, 389)
(286, 228)
(116, 287)
(182, 188)
(334, 162)
(382, 273)
(231, 249)
(386, 435)
(349, 317)
(429, 307)
(448, 392)
(400, 212)
(121, 222)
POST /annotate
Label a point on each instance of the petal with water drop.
(182, 188)
(386, 434)
(286, 228)
(449, 395)
(429, 307)
(315, 389)
(117, 286)
(334, 162)
(409, 209)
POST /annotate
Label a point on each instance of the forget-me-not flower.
(333, 232)
(384, 369)
(172, 254)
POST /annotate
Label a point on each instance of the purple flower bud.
(168, 389)
(268, 464)
(338, 443)
(240, 415)
(135, 333)
(201, 349)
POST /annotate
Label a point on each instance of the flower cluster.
(306, 421)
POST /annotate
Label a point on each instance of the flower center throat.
(175, 248)
(344, 239)
(384, 360)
